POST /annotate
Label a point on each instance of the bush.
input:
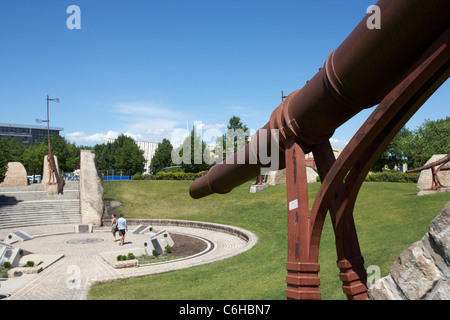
(155, 252)
(138, 176)
(393, 176)
(390, 176)
(130, 256)
(121, 258)
(178, 175)
(168, 249)
(7, 265)
(29, 264)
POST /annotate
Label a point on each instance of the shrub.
(7, 265)
(155, 253)
(168, 249)
(138, 176)
(130, 256)
(121, 258)
(393, 176)
(29, 264)
(178, 175)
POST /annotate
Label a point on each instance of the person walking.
(123, 228)
(114, 228)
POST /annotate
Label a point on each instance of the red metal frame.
(343, 177)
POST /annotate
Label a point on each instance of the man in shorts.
(123, 228)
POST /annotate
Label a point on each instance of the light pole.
(50, 159)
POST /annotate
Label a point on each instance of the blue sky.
(146, 68)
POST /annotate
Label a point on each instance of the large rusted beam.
(357, 75)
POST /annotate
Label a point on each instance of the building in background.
(149, 149)
(26, 134)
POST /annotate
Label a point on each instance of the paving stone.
(71, 277)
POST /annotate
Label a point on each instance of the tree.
(193, 155)
(235, 138)
(11, 149)
(68, 154)
(162, 157)
(33, 157)
(432, 137)
(395, 154)
(3, 166)
(105, 156)
(127, 155)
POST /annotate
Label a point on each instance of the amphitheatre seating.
(31, 205)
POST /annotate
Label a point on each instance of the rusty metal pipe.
(357, 75)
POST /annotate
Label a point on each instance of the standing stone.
(57, 187)
(426, 178)
(91, 190)
(279, 176)
(16, 176)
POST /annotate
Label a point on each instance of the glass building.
(26, 134)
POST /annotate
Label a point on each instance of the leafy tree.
(33, 157)
(11, 149)
(68, 154)
(127, 155)
(162, 157)
(237, 135)
(193, 155)
(432, 137)
(3, 166)
(395, 154)
(105, 156)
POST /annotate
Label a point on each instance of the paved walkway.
(70, 277)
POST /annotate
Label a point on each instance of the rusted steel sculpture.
(435, 167)
(397, 67)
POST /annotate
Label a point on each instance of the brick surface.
(71, 277)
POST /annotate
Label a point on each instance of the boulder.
(422, 271)
(16, 176)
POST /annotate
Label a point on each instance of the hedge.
(169, 176)
(384, 176)
(393, 176)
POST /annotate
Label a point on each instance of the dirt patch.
(185, 245)
(111, 206)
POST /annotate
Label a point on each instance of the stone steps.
(31, 206)
(20, 196)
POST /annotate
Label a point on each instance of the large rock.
(279, 176)
(16, 176)
(421, 272)
(91, 190)
(57, 182)
(426, 178)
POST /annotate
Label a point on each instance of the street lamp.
(50, 156)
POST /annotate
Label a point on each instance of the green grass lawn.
(388, 216)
